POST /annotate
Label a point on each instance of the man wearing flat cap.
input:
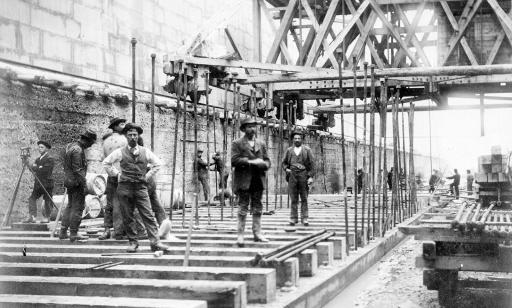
(299, 165)
(111, 142)
(201, 167)
(132, 189)
(43, 170)
(75, 170)
(250, 159)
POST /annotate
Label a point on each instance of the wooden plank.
(256, 31)
(463, 26)
(504, 19)
(321, 33)
(281, 32)
(501, 263)
(284, 48)
(393, 31)
(495, 48)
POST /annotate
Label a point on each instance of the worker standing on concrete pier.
(250, 159)
(454, 186)
(299, 165)
(201, 167)
(469, 181)
(132, 189)
(111, 142)
(75, 169)
(43, 170)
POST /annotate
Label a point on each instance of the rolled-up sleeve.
(109, 161)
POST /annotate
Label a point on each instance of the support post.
(267, 134)
(134, 42)
(256, 24)
(482, 123)
(412, 176)
(383, 115)
(224, 147)
(184, 144)
(365, 172)
(196, 209)
(404, 154)
(372, 145)
(354, 156)
(207, 101)
(343, 163)
(153, 56)
(176, 126)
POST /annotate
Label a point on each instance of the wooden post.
(343, 164)
(184, 144)
(256, 24)
(196, 212)
(372, 144)
(176, 126)
(153, 56)
(134, 42)
(412, 176)
(224, 146)
(482, 123)
(280, 153)
(396, 164)
(215, 145)
(405, 196)
(383, 115)
(267, 134)
(365, 172)
(354, 157)
(207, 101)
(236, 89)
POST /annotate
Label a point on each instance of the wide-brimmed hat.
(130, 126)
(297, 132)
(246, 122)
(115, 121)
(89, 134)
(45, 143)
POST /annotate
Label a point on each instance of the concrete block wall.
(28, 114)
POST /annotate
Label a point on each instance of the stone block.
(16, 10)
(88, 55)
(56, 47)
(339, 247)
(30, 38)
(60, 6)
(48, 21)
(287, 271)
(308, 263)
(8, 35)
(72, 29)
(325, 253)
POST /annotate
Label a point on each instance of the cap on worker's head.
(89, 135)
(199, 150)
(116, 121)
(131, 126)
(297, 132)
(247, 121)
(45, 143)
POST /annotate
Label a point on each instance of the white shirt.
(297, 150)
(116, 156)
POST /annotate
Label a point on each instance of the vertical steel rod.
(196, 211)
(365, 172)
(134, 42)
(354, 156)
(406, 199)
(372, 143)
(184, 143)
(383, 112)
(344, 165)
(267, 135)
(412, 177)
(207, 101)
(224, 146)
(176, 126)
(279, 156)
(153, 56)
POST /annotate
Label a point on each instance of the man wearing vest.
(250, 159)
(299, 165)
(132, 189)
(43, 169)
(111, 142)
(75, 169)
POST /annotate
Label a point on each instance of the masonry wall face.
(28, 114)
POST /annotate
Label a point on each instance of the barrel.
(96, 184)
(92, 207)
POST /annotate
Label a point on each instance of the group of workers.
(435, 178)
(131, 168)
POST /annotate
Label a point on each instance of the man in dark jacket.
(220, 167)
(75, 169)
(250, 159)
(432, 182)
(201, 167)
(454, 186)
(43, 183)
(360, 177)
(390, 178)
(299, 165)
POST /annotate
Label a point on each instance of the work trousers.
(250, 199)
(156, 207)
(203, 179)
(298, 186)
(455, 190)
(470, 186)
(37, 192)
(431, 189)
(223, 182)
(111, 192)
(135, 196)
(72, 216)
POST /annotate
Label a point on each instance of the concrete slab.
(261, 282)
(220, 294)
(308, 263)
(28, 300)
(325, 253)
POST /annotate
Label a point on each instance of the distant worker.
(360, 176)
(43, 170)
(390, 179)
(432, 182)
(132, 189)
(299, 165)
(75, 170)
(469, 179)
(250, 159)
(454, 186)
(220, 167)
(201, 167)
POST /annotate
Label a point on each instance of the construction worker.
(220, 167)
(432, 182)
(299, 165)
(390, 178)
(201, 167)
(454, 186)
(75, 170)
(469, 182)
(360, 176)
(132, 190)
(43, 170)
(111, 142)
(250, 159)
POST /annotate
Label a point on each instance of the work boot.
(305, 222)
(241, 230)
(133, 247)
(63, 233)
(159, 246)
(74, 236)
(256, 229)
(105, 235)
(292, 222)
(30, 220)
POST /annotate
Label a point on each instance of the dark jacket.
(202, 167)
(75, 165)
(43, 169)
(241, 153)
(306, 157)
(456, 179)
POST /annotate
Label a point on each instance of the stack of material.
(492, 168)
